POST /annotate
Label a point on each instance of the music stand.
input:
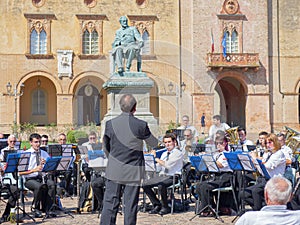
(18, 162)
(59, 163)
(54, 150)
(206, 163)
(150, 168)
(240, 162)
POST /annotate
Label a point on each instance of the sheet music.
(150, 165)
(65, 163)
(24, 161)
(67, 150)
(246, 162)
(210, 163)
(97, 158)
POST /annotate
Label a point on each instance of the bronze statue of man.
(127, 44)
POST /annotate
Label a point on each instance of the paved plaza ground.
(70, 204)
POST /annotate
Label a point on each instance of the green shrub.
(74, 135)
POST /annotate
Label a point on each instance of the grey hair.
(279, 190)
(11, 136)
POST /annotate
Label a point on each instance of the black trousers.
(43, 193)
(13, 192)
(162, 182)
(204, 188)
(254, 195)
(112, 198)
(98, 184)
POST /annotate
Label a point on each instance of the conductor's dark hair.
(34, 135)
(127, 103)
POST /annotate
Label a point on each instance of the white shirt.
(173, 162)
(276, 164)
(245, 143)
(190, 127)
(269, 215)
(287, 151)
(32, 161)
(213, 130)
(220, 157)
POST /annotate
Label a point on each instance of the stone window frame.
(145, 23)
(38, 22)
(91, 22)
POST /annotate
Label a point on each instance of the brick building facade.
(60, 51)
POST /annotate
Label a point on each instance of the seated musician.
(11, 141)
(243, 141)
(62, 140)
(97, 181)
(12, 191)
(171, 163)
(204, 188)
(43, 188)
(275, 164)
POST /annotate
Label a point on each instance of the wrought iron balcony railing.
(233, 60)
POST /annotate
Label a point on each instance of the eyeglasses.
(219, 143)
(92, 138)
(12, 141)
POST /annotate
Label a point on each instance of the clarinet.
(296, 187)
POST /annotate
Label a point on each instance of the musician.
(170, 162)
(186, 145)
(44, 140)
(275, 165)
(92, 140)
(243, 141)
(217, 125)
(43, 188)
(62, 140)
(277, 193)
(11, 190)
(186, 125)
(11, 141)
(222, 179)
(288, 152)
(261, 144)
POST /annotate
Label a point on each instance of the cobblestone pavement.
(143, 218)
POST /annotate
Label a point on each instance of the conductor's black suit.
(123, 143)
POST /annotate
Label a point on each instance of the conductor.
(123, 144)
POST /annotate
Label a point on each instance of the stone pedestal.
(137, 84)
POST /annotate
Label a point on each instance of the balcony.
(243, 61)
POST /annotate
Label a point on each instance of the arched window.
(38, 102)
(146, 49)
(232, 42)
(90, 42)
(38, 42)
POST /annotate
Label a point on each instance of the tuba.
(294, 144)
(290, 133)
(232, 135)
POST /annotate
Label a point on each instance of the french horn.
(294, 144)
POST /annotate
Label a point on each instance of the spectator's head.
(44, 140)
(188, 134)
(262, 136)
(217, 120)
(185, 120)
(62, 139)
(11, 141)
(273, 143)
(1, 135)
(92, 137)
(278, 191)
(170, 141)
(281, 138)
(35, 141)
(242, 133)
(128, 103)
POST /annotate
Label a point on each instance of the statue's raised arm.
(127, 45)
